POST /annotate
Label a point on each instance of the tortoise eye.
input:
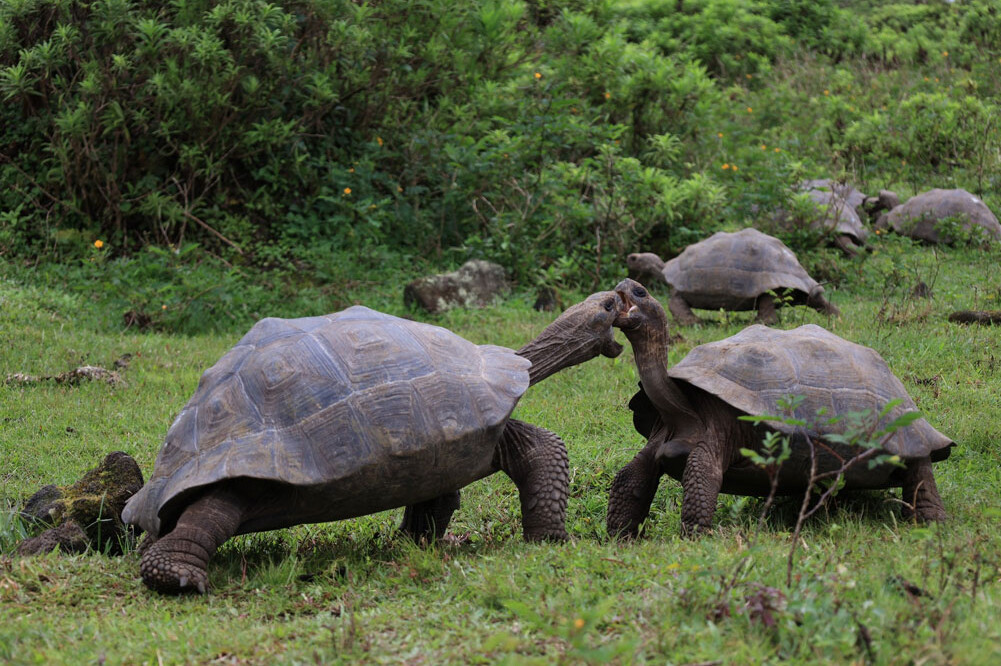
(639, 292)
(609, 304)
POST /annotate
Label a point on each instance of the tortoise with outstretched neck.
(323, 418)
(737, 271)
(690, 416)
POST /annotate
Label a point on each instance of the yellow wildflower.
(719, 135)
(726, 166)
(608, 95)
(378, 140)
(578, 623)
(826, 91)
(163, 307)
(734, 167)
(98, 244)
(538, 75)
(945, 54)
(764, 147)
(749, 109)
(778, 150)
(347, 190)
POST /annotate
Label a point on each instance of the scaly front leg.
(536, 460)
(700, 483)
(632, 493)
(177, 562)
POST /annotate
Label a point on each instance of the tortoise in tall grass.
(739, 271)
(690, 416)
(323, 418)
(943, 216)
(837, 215)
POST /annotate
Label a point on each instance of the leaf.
(903, 420)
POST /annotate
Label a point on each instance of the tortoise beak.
(626, 318)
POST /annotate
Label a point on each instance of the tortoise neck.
(558, 347)
(650, 347)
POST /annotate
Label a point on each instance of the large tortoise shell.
(920, 216)
(755, 368)
(730, 270)
(350, 413)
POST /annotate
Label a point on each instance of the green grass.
(353, 591)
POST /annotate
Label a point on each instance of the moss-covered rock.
(91, 507)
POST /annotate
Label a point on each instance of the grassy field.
(866, 588)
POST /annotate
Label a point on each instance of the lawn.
(865, 588)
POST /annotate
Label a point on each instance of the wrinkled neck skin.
(650, 345)
(561, 345)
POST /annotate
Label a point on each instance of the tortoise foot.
(168, 571)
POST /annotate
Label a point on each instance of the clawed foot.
(163, 573)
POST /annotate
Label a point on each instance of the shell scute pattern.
(353, 396)
(757, 367)
(728, 267)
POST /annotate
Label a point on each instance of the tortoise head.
(645, 266)
(583, 332)
(640, 314)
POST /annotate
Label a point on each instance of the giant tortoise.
(943, 216)
(733, 271)
(322, 418)
(690, 416)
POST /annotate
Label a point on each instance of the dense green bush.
(304, 143)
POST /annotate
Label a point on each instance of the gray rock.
(92, 507)
(476, 284)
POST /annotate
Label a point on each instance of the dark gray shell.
(760, 365)
(837, 214)
(919, 217)
(337, 416)
(854, 197)
(731, 270)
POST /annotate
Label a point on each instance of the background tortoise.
(922, 216)
(840, 216)
(733, 271)
(323, 418)
(690, 416)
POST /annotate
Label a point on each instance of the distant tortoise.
(323, 418)
(942, 216)
(838, 216)
(690, 416)
(854, 197)
(732, 271)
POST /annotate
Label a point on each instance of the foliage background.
(296, 148)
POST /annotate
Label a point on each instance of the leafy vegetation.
(287, 138)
